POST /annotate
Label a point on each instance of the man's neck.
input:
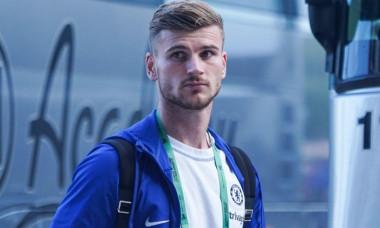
(187, 126)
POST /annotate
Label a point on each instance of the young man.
(185, 173)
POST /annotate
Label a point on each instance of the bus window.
(362, 53)
(140, 2)
(270, 5)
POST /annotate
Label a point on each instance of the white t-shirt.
(200, 186)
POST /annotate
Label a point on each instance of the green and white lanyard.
(177, 180)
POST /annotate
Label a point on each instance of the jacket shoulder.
(92, 193)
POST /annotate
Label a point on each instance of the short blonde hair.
(185, 16)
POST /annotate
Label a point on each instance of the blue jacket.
(92, 198)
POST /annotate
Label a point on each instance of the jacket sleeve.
(258, 217)
(91, 199)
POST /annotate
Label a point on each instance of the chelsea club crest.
(237, 194)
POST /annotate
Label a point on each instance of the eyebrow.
(210, 47)
(183, 47)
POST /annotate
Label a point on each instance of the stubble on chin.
(179, 102)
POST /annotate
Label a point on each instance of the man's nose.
(194, 65)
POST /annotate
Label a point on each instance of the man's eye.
(206, 54)
(178, 56)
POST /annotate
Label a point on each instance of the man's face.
(189, 66)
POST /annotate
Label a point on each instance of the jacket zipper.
(173, 191)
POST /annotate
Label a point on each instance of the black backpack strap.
(247, 170)
(126, 153)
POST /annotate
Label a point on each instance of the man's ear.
(151, 67)
(224, 71)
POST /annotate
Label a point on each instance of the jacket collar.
(145, 135)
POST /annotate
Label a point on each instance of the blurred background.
(73, 72)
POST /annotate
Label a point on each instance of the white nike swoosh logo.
(149, 224)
